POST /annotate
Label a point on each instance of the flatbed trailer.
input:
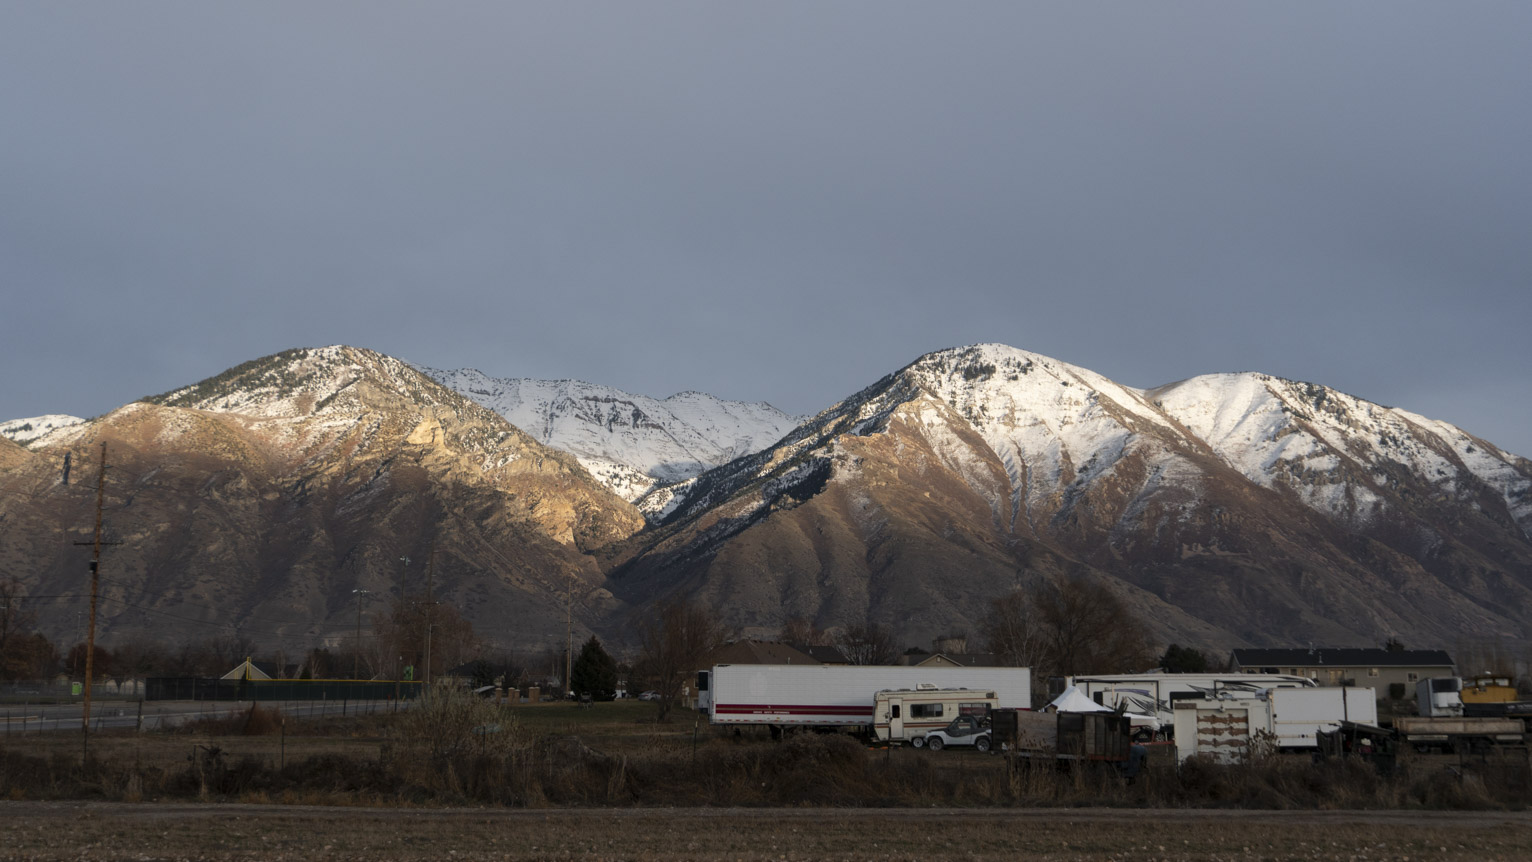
(1459, 733)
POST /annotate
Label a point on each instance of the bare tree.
(18, 649)
(15, 619)
(1013, 632)
(801, 632)
(414, 625)
(868, 644)
(1074, 627)
(672, 646)
(1090, 630)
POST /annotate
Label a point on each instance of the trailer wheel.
(918, 742)
(934, 743)
(982, 743)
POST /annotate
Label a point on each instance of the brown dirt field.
(62, 830)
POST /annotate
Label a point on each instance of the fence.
(202, 688)
(47, 707)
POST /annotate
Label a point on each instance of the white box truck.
(838, 695)
(1299, 714)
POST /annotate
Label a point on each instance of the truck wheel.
(934, 743)
(918, 742)
(982, 743)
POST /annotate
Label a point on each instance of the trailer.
(1445, 725)
(1233, 728)
(1460, 734)
(1156, 693)
(1104, 736)
(1299, 715)
(838, 696)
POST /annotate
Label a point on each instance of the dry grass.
(45, 831)
(615, 755)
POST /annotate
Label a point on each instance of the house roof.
(1346, 657)
(961, 659)
(760, 652)
(823, 654)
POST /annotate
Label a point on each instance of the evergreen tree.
(1180, 659)
(594, 672)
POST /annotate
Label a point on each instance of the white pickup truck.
(964, 730)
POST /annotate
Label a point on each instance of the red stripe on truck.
(788, 709)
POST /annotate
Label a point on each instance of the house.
(248, 669)
(1369, 668)
(956, 659)
(759, 652)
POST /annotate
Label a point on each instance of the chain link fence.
(34, 707)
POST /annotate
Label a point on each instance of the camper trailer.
(909, 715)
(1156, 693)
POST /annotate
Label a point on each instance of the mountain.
(266, 495)
(1227, 510)
(1230, 509)
(631, 443)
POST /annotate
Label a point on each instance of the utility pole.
(95, 589)
(357, 658)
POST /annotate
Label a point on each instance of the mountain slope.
(630, 442)
(981, 466)
(270, 492)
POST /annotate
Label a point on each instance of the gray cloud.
(776, 201)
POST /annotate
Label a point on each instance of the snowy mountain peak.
(299, 382)
(631, 443)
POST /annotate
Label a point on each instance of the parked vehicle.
(1232, 728)
(1443, 724)
(908, 715)
(1156, 693)
(963, 730)
(838, 696)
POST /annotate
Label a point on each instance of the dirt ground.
(75, 830)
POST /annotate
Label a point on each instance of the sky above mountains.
(776, 202)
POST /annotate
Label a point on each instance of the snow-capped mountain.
(24, 431)
(631, 443)
(1228, 509)
(272, 493)
(1265, 509)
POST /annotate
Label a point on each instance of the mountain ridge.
(1231, 509)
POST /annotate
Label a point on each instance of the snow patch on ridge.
(630, 443)
(32, 429)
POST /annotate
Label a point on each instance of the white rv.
(1155, 693)
(908, 715)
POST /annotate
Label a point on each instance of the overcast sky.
(771, 201)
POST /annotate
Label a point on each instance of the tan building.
(1364, 668)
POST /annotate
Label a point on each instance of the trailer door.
(895, 718)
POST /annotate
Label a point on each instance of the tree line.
(1063, 628)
